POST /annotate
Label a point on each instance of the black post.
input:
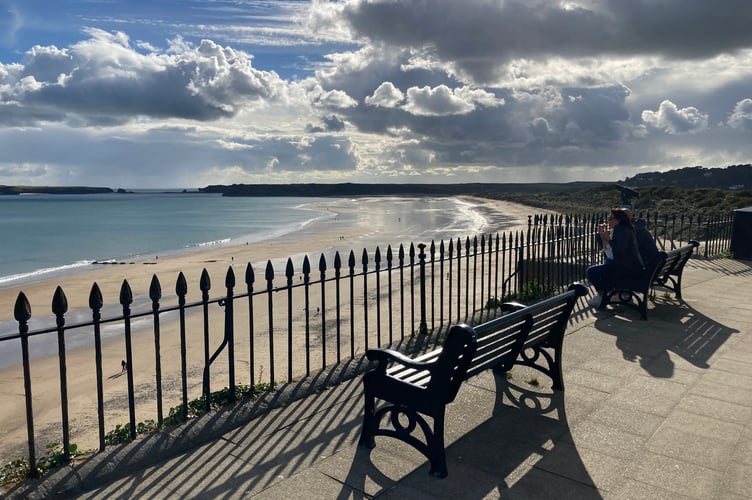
(377, 266)
(249, 280)
(126, 299)
(322, 270)
(269, 276)
(230, 330)
(181, 290)
(59, 308)
(306, 298)
(22, 314)
(95, 304)
(337, 271)
(155, 293)
(205, 286)
(364, 261)
(422, 262)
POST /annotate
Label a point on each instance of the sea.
(44, 236)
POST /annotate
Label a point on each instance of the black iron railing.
(287, 323)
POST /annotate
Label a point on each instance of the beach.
(352, 228)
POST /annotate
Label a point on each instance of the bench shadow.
(529, 444)
(676, 334)
(524, 450)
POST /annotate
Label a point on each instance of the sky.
(184, 94)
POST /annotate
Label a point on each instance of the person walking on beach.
(123, 366)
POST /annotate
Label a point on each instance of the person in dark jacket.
(645, 242)
(623, 258)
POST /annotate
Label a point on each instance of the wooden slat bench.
(415, 388)
(665, 273)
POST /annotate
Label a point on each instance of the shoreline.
(350, 229)
(343, 230)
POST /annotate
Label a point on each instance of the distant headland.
(352, 189)
(16, 190)
(20, 190)
(733, 177)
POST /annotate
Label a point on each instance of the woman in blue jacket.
(622, 255)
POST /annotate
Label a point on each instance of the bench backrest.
(457, 353)
(500, 341)
(496, 344)
(659, 267)
(673, 262)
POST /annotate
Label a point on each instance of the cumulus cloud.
(435, 102)
(741, 117)
(674, 120)
(442, 101)
(335, 99)
(386, 95)
(104, 80)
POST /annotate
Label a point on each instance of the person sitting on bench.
(645, 241)
(623, 258)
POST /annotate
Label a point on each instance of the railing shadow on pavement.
(724, 266)
(674, 328)
(198, 448)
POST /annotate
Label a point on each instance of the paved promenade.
(652, 409)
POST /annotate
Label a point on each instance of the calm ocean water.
(47, 235)
(44, 235)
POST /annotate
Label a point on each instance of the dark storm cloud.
(480, 36)
(597, 112)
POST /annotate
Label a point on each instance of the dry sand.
(355, 233)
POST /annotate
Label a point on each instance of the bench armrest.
(383, 356)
